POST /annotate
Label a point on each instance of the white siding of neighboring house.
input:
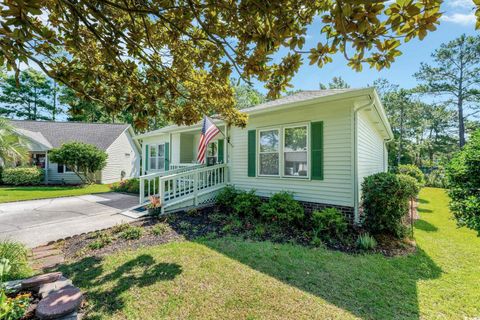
(123, 155)
(336, 188)
(371, 153)
(61, 178)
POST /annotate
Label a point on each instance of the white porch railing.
(182, 186)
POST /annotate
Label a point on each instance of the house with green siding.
(319, 145)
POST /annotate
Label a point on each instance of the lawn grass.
(8, 194)
(238, 279)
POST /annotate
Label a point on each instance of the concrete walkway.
(38, 222)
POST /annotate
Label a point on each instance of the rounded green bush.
(283, 209)
(385, 203)
(225, 199)
(247, 205)
(412, 171)
(409, 185)
(22, 176)
(329, 224)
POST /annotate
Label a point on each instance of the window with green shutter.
(252, 152)
(317, 150)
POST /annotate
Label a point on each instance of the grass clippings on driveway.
(233, 278)
(9, 194)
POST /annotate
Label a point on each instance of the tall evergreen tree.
(454, 76)
(336, 83)
(29, 99)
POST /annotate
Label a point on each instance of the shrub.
(84, 159)
(226, 198)
(282, 209)
(132, 233)
(102, 239)
(412, 171)
(366, 242)
(463, 174)
(247, 204)
(17, 255)
(410, 186)
(120, 227)
(160, 229)
(128, 186)
(385, 203)
(329, 225)
(436, 178)
(22, 176)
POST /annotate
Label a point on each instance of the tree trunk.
(461, 123)
(400, 139)
(54, 111)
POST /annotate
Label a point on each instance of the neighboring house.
(317, 144)
(115, 139)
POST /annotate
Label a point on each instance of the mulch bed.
(206, 223)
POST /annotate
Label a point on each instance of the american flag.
(209, 131)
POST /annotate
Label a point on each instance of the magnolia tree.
(176, 57)
(82, 158)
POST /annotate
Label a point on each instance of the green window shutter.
(252, 152)
(146, 159)
(316, 133)
(220, 151)
(167, 156)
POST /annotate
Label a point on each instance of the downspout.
(356, 199)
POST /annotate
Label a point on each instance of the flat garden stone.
(47, 288)
(59, 303)
(13, 286)
(34, 283)
(71, 316)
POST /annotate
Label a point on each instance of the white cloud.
(464, 19)
(460, 4)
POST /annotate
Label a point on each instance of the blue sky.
(458, 18)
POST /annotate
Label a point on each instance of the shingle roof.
(297, 97)
(101, 135)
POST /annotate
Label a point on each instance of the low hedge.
(22, 176)
(128, 186)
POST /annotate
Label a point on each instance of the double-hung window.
(283, 151)
(157, 157)
(269, 152)
(295, 153)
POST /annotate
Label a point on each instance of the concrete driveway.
(38, 222)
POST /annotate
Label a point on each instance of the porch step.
(135, 212)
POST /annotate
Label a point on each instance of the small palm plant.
(12, 149)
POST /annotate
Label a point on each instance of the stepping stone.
(13, 286)
(59, 303)
(34, 283)
(71, 316)
(47, 288)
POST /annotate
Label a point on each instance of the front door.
(212, 153)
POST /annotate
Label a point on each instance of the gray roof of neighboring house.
(298, 97)
(101, 135)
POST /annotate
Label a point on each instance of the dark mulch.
(210, 224)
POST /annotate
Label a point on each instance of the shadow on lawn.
(368, 286)
(425, 226)
(142, 271)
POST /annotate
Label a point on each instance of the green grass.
(237, 279)
(8, 194)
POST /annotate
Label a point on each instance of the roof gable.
(101, 135)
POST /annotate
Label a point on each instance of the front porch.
(171, 172)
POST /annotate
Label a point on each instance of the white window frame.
(259, 131)
(297, 125)
(281, 150)
(216, 151)
(157, 157)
